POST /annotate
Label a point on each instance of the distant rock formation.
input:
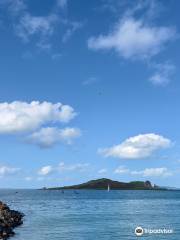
(148, 184)
(9, 219)
(103, 183)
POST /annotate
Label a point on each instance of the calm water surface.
(94, 215)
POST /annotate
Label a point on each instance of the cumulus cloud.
(46, 170)
(153, 172)
(163, 74)
(49, 136)
(140, 146)
(132, 38)
(5, 170)
(22, 116)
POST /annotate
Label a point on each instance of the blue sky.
(89, 89)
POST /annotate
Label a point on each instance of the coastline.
(9, 219)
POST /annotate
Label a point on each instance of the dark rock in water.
(9, 219)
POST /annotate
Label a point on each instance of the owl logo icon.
(139, 231)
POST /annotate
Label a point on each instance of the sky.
(89, 89)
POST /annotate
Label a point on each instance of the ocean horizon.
(94, 214)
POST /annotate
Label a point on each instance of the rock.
(148, 184)
(9, 219)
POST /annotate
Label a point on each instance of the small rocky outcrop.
(9, 219)
(148, 184)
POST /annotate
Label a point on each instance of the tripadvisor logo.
(139, 231)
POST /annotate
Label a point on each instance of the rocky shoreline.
(9, 219)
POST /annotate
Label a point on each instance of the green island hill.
(108, 184)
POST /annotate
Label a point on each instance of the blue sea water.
(94, 215)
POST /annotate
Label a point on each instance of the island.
(108, 184)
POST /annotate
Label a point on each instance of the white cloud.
(73, 167)
(4, 170)
(153, 172)
(46, 170)
(33, 25)
(121, 170)
(150, 8)
(139, 146)
(163, 74)
(62, 167)
(14, 6)
(62, 3)
(56, 56)
(44, 45)
(49, 136)
(102, 171)
(28, 179)
(40, 29)
(133, 38)
(90, 81)
(22, 116)
(147, 172)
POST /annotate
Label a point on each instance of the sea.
(95, 215)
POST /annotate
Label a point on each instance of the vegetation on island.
(104, 184)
